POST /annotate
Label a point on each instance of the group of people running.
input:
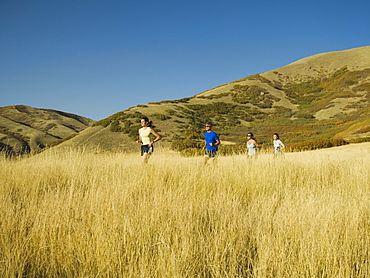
(252, 144)
(211, 142)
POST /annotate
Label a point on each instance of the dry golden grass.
(81, 213)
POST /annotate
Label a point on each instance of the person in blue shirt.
(211, 144)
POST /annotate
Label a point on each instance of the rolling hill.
(25, 129)
(318, 98)
(321, 97)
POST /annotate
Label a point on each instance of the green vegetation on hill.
(255, 95)
(242, 107)
(317, 93)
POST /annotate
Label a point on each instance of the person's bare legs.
(145, 157)
(212, 159)
(206, 158)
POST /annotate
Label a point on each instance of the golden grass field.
(83, 213)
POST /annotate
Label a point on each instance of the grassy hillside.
(25, 129)
(315, 102)
(318, 98)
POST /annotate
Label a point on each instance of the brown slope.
(24, 129)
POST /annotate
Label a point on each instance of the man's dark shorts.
(211, 153)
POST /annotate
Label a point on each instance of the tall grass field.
(85, 213)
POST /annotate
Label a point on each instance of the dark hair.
(252, 136)
(209, 123)
(150, 123)
(277, 135)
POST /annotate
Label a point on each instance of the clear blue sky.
(96, 58)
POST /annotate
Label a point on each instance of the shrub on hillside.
(103, 123)
(136, 115)
(183, 100)
(362, 87)
(259, 78)
(314, 145)
(363, 130)
(212, 109)
(255, 95)
(115, 127)
(171, 112)
(161, 117)
(197, 115)
(281, 111)
(183, 144)
(359, 140)
(178, 121)
(304, 115)
(115, 117)
(246, 117)
(215, 96)
(264, 104)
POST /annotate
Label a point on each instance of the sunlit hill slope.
(318, 98)
(25, 129)
(322, 97)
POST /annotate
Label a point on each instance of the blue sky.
(96, 58)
